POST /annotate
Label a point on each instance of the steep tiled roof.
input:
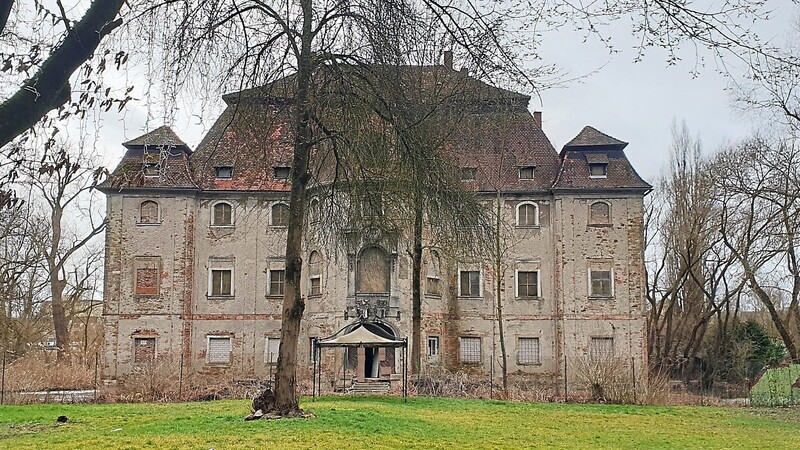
(498, 145)
(590, 137)
(161, 136)
(593, 147)
(161, 151)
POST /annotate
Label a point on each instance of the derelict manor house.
(196, 239)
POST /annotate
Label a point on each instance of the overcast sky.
(633, 102)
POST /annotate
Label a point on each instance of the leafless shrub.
(604, 380)
(39, 371)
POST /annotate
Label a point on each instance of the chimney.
(448, 59)
(537, 118)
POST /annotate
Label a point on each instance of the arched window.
(372, 276)
(314, 274)
(222, 215)
(280, 215)
(314, 210)
(527, 215)
(600, 213)
(148, 212)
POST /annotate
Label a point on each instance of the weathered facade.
(196, 241)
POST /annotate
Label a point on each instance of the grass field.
(387, 423)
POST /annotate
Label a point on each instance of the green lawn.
(387, 423)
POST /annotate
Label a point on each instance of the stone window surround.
(270, 356)
(467, 359)
(433, 348)
(272, 215)
(535, 223)
(143, 336)
(600, 265)
(220, 336)
(593, 223)
(221, 264)
(470, 268)
(158, 219)
(274, 264)
(212, 209)
(314, 276)
(537, 360)
(538, 295)
(594, 342)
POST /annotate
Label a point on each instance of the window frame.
(211, 337)
(538, 284)
(522, 169)
(147, 170)
(433, 356)
(272, 215)
(220, 172)
(601, 268)
(210, 293)
(604, 166)
(461, 293)
(214, 215)
(157, 221)
(271, 282)
(535, 217)
(538, 361)
(277, 169)
(314, 276)
(461, 353)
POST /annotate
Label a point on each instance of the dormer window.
(281, 172)
(224, 172)
(468, 173)
(598, 170)
(598, 165)
(526, 172)
(151, 169)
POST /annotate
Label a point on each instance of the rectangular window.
(224, 172)
(433, 348)
(277, 279)
(470, 283)
(221, 282)
(528, 351)
(147, 281)
(526, 172)
(470, 350)
(527, 284)
(598, 170)
(281, 172)
(271, 347)
(316, 286)
(601, 348)
(601, 283)
(151, 169)
(432, 286)
(144, 350)
(218, 350)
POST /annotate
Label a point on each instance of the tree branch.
(49, 87)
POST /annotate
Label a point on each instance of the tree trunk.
(285, 399)
(498, 275)
(59, 316)
(416, 291)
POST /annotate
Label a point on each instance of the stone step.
(372, 387)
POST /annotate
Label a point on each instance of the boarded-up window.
(223, 215)
(147, 275)
(527, 215)
(601, 348)
(600, 283)
(144, 349)
(271, 347)
(528, 351)
(280, 215)
(148, 212)
(373, 271)
(147, 281)
(470, 350)
(527, 284)
(221, 282)
(599, 213)
(277, 280)
(219, 350)
(469, 283)
(315, 273)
